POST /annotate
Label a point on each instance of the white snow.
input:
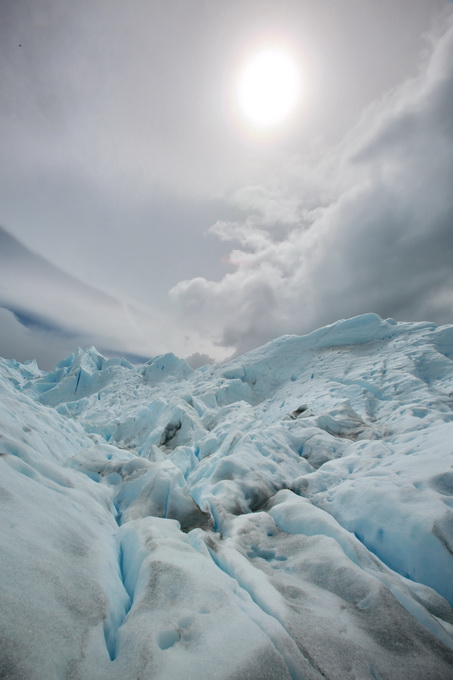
(285, 515)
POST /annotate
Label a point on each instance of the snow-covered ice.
(288, 514)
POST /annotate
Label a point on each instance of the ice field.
(286, 515)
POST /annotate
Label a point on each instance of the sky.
(140, 211)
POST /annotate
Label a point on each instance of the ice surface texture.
(286, 515)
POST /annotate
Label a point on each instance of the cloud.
(382, 242)
(22, 343)
(24, 338)
(120, 146)
(43, 304)
(196, 360)
(272, 206)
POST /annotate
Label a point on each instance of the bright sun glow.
(269, 87)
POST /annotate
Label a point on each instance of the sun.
(268, 88)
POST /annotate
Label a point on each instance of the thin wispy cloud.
(45, 308)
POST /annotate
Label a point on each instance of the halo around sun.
(268, 88)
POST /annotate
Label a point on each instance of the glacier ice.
(288, 514)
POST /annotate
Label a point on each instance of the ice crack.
(120, 608)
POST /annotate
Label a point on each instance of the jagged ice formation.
(285, 515)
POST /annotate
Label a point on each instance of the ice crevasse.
(284, 515)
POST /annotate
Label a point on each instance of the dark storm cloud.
(383, 244)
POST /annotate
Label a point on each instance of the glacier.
(287, 514)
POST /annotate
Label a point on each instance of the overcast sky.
(140, 213)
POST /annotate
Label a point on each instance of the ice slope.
(285, 515)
